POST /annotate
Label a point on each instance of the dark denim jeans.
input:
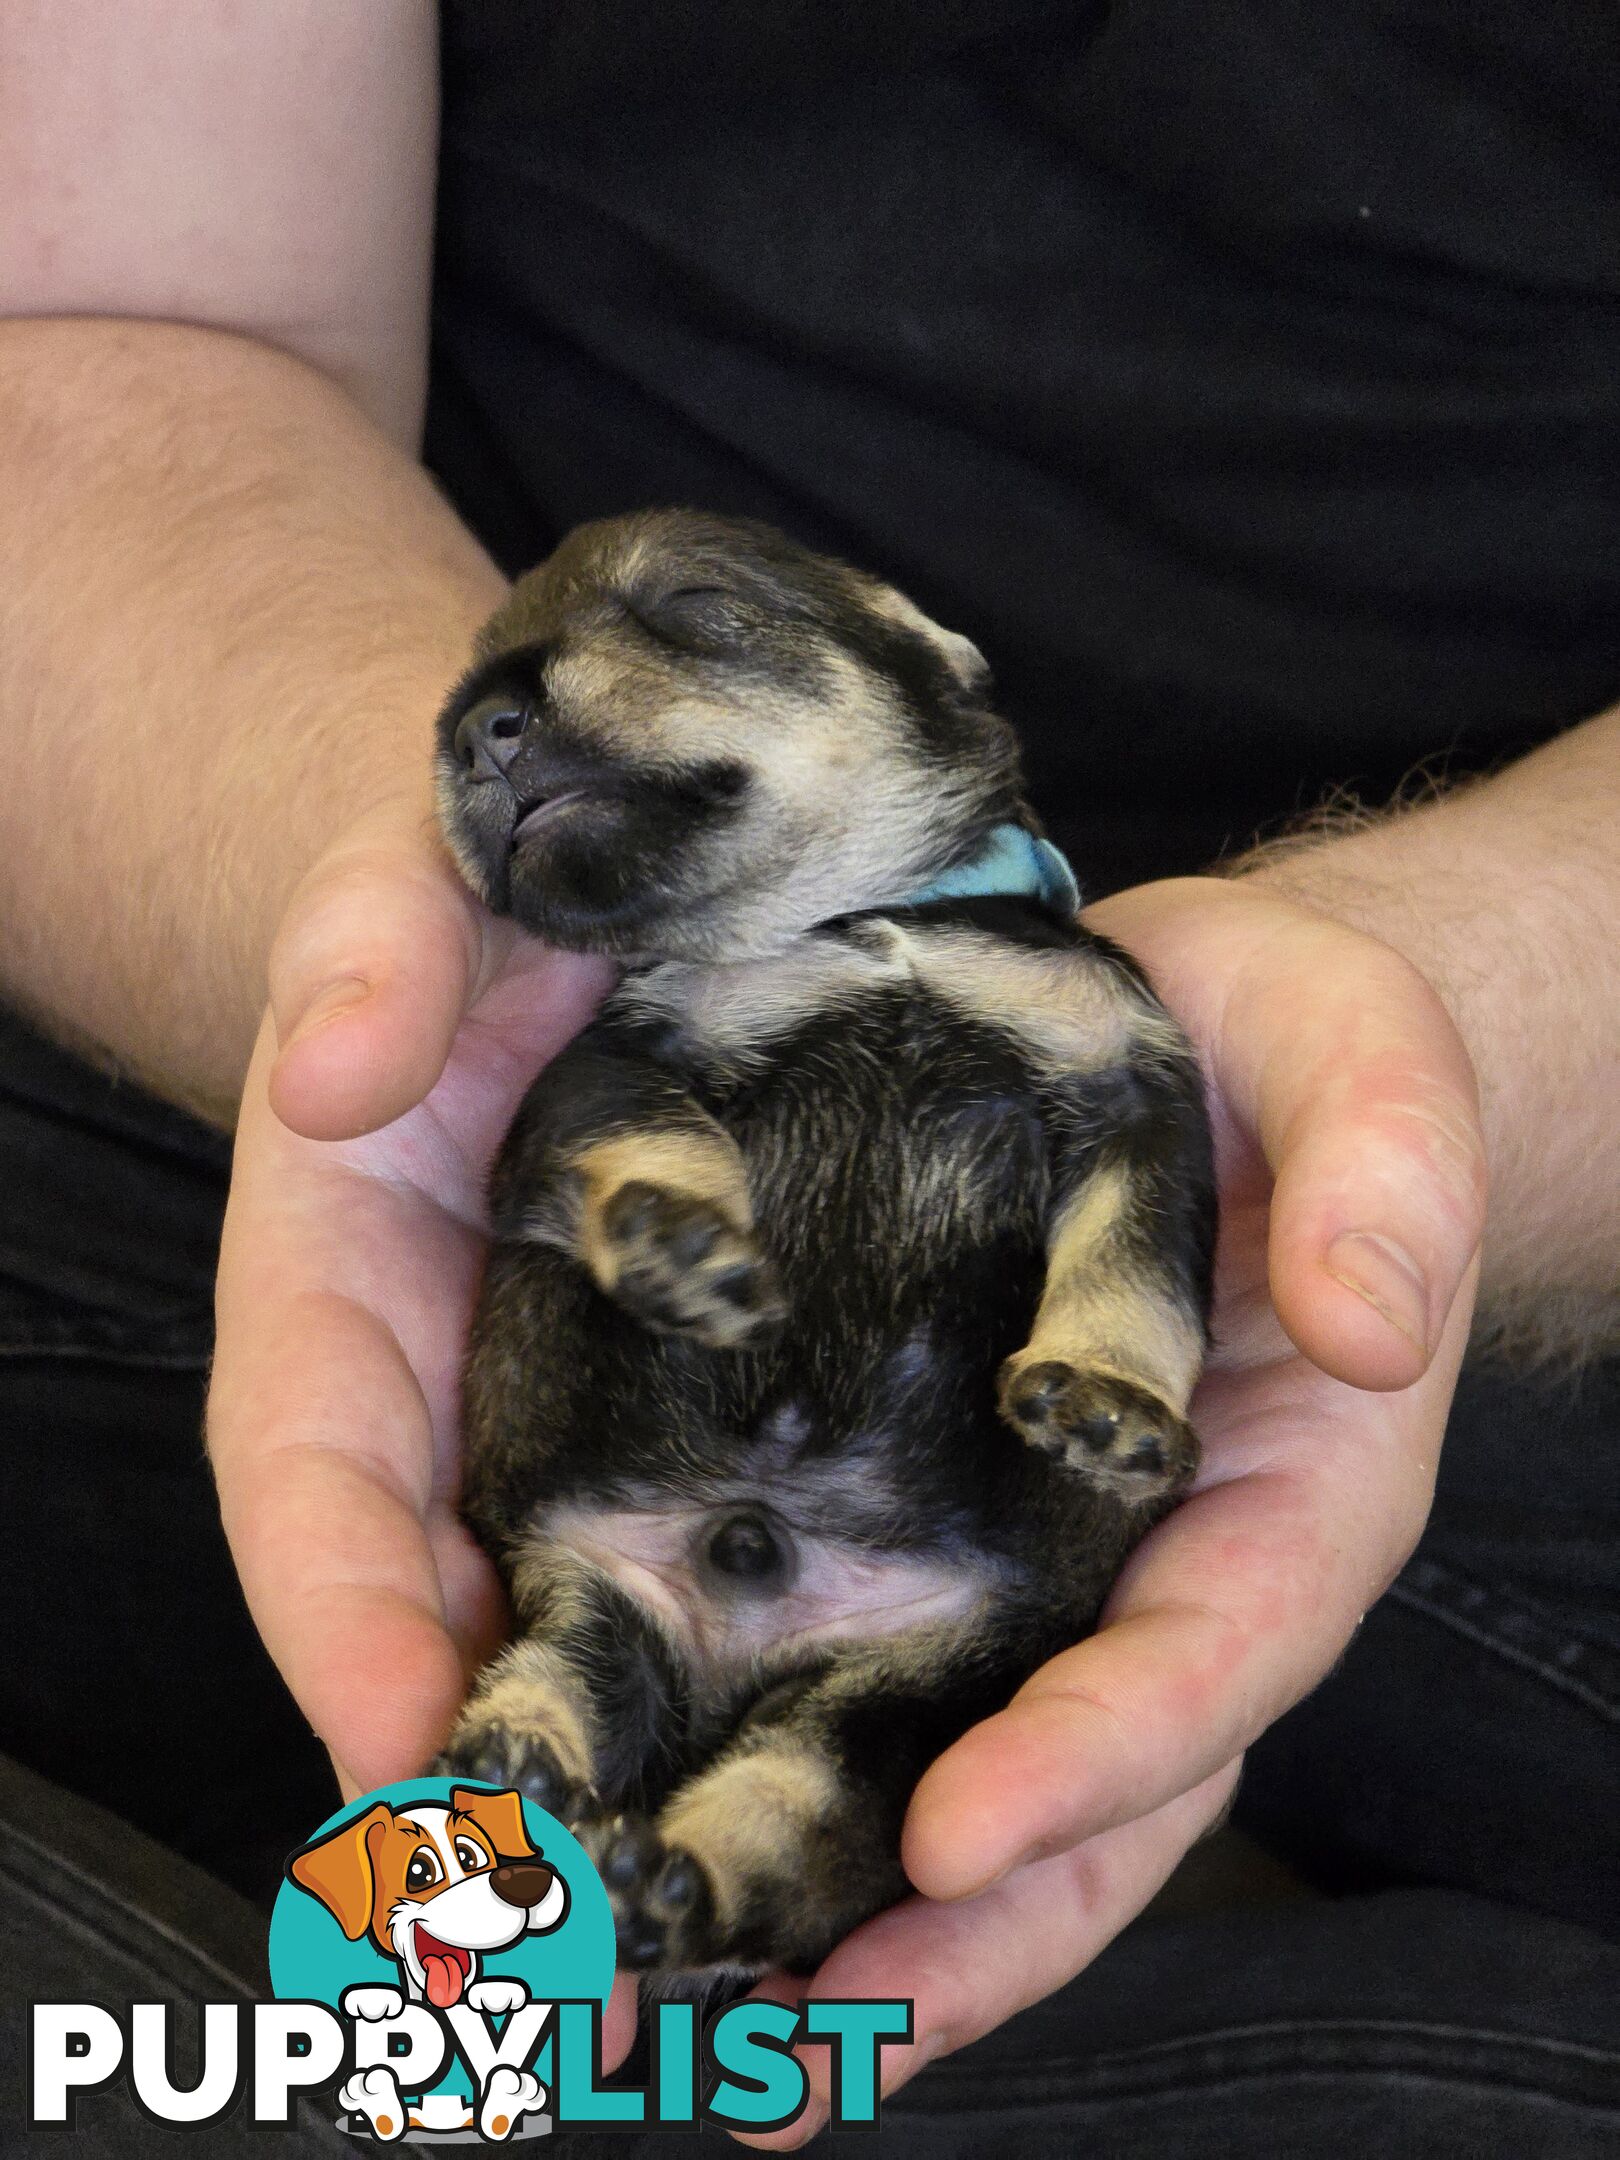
(1408, 2024)
(1458, 1773)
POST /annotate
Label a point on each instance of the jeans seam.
(1453, 2053)
(178, 1358)
(1318, 2028)
(1069, 2095)
(134, 1944)
(1445, 1613)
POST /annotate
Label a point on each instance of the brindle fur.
(827, 1172)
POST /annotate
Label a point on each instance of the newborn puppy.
(850, 1271)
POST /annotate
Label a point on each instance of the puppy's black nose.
(520, 1882)
(489, 736)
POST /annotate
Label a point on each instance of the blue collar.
(1012, 864)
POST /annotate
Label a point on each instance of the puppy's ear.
(960, 654)
(339, 1870)
(500, 1816)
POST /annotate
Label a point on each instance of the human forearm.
(229, 608)
(1506, 895)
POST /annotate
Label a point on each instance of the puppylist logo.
(440, 1953)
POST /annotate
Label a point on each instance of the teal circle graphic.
(312, 1960)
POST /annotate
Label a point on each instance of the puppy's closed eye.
(700, 619)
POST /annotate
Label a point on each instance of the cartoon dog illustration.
(436, 1885)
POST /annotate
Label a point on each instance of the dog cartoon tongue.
(444, 1969)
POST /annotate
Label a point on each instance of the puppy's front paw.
(676, 1262)
(375, 2004)
(663, 1904)
(497, 1998)
(1112, 1432)
(494, 1754)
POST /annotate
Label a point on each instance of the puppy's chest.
(897, 1171)
(863, 1095)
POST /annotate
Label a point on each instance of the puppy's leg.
(614, 1162)
(573, 1712)
(791, 1836)
(1119, 1337)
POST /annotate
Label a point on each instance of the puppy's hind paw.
(527, 1763)
(507, 2098)
(676, 1262)
(375, 2095)
(663, 1904)
(1116, 1435)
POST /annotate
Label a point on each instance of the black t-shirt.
(1245, 377)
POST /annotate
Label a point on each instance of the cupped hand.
(1352, 1198)
(405, 1025)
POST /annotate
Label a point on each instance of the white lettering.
(280, 2066)
(149, 2063)
(74, 2047)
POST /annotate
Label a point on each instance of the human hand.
(1347, 1137)
(406, 1023)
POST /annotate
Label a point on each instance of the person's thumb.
(1336, 1056)
(380, 953)
(1364, 1101)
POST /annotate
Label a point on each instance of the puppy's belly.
(710, 1579)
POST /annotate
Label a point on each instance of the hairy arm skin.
(1505, 894)
(230, 600)
(229, 611)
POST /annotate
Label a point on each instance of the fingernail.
(330, 1000)
(1379, 1270)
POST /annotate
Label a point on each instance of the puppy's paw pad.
(526, 1762)
(663, 1905)
(1118, 1435)
(681, 1266)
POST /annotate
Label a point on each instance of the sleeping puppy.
(850, 1271)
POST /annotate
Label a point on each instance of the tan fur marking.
(678, 1184)
(1097, 1314)
(1067, 1006)
(699, 1163)
(750, 1814)
(708, 1169)
(966, 660)
(532, 1692)
(745, 1006)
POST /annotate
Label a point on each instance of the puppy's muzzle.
(504, 745)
